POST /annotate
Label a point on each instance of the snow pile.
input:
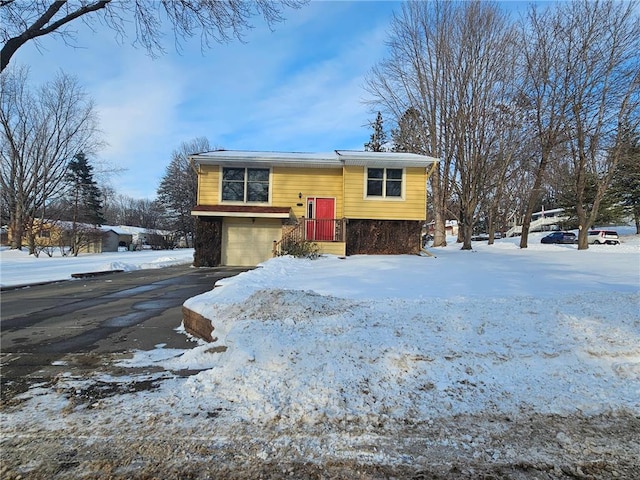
(384, 340)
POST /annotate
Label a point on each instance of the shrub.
(300, 249)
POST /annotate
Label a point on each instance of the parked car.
(610, 237)
(559, 237)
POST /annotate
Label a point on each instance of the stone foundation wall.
(208, 242)
(383, 237)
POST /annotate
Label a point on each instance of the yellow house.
(51, 234)
(250, 204)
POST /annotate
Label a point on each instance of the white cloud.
(298, 87)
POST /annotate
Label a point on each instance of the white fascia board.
(385, 159)
(334, 159)
(268, 159)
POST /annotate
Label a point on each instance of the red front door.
(320, 220)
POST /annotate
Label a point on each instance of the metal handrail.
(311, 230)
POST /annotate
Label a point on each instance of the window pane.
(394, 173)
(257, 192)
(258, 174)
(374, 188)
(373, 173)
(394, 188)
(233, 174)
(233, 191)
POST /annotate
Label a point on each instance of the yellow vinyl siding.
(411, 206)
(208, 185)
(332, 248)
(288, 183)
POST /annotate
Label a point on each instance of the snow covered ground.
(19, 268)
(368, 344)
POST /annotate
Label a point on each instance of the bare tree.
(582, 84)
(544, 96)
(413, 77)
(454, 63)
(41, 131)
(177, 193)
(504, 181)
(603, 41)
(481, 79)
(22, 21)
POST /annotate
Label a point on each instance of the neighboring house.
(143, 238)
(113, 238)
(347, 202)
(98, 239)
(541, 221)
(450, 228)
(94, 239)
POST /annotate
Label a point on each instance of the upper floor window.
(384, 182)
(245, 184)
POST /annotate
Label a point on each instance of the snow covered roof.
(117, 230)
(337, 158)
(126, 229)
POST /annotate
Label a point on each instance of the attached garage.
(249, 241)
(247, 234)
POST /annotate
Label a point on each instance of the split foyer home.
(252, 204)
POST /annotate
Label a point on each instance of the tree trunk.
(466, 228)
(536, 191)
(490, 228)
(439, 234)
(17, 228)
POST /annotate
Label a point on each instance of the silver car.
(609, 237)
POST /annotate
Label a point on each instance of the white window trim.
(232, 202)
(383, 197)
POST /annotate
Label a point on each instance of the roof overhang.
(246, 211)
(335, 159)
(385, 159)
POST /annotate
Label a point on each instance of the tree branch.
(40, 27)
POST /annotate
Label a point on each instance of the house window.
(245, 185)
(44, 234)
(384, 182)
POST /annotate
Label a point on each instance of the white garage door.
(246, 242)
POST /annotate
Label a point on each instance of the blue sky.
(297, 88)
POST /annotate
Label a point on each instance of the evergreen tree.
(177, 193)
(625, 183)
(378, 138)
(84, 194)
(410, 136)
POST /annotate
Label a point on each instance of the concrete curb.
(49, 282)
(94, 274)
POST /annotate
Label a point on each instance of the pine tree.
(84, 203)
(378, 138)
(177, 193)
(410, 136)
(84, 194)
(625, 183)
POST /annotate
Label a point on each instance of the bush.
(300, 249)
